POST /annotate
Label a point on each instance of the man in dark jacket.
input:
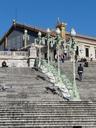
(80, 72)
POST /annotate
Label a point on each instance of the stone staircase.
(24, 82)
(86, 87)
(27, 114)
(25, 103)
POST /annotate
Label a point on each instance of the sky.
(78, 14)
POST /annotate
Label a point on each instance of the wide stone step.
(44, 119)
(60, 108)
(58, 112)
(48, 126)
(20, 113)
(45, 123)
(43, 108)
(50, 102)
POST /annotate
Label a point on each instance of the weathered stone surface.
(15, 62)
(27, 104)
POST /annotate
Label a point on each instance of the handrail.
(57, 80)
(62, 79)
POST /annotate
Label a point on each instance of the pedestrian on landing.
(80, 71)
(62, 58)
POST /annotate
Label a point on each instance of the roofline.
(82, 36)
(6, 33)
(31, 28)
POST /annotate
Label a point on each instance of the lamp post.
(39, 40)
(25, 37)
(73, 46)
(48, 36)
(52, 45)
(58, 48)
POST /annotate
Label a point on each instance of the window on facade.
(77, 50)
(95, 53)
(87, 52)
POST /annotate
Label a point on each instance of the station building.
(14, 40)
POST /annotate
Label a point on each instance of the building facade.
(14, 39)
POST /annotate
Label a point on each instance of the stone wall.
(82, 51)
(15, 62)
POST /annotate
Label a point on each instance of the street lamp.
(73, 32)
(52, 43)
(25, 37)
(39, 34)
(48, 36)
(58, 47)
(73, 46)
(39, 40)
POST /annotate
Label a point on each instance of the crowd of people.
(62, 57)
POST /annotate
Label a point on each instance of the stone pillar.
(92, 52)
(32, 56)
(82, 51)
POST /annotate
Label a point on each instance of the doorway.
(87, 52)
(77, 51)
(95, 53)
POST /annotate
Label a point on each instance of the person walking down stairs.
(80, 71)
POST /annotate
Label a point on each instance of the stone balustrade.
(13, 53)
(14, 58)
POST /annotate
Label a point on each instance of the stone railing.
(21, 53)
(13, 53)
(52, 73)
(62, 82)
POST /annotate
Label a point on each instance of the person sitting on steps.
(4, 64)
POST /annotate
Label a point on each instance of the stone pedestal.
(32, 56)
